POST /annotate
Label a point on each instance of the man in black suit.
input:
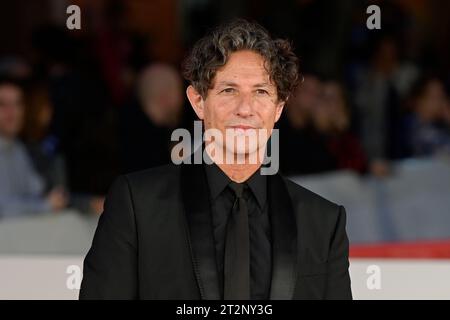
(224, 229)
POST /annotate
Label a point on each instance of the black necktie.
(237, 249)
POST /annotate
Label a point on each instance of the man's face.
(11, 110)
(433, 102)
(242, 98)
(161, 94)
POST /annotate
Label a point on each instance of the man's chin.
(241, 156)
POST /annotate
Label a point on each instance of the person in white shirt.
(21, 188)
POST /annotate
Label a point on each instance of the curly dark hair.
(212, 52)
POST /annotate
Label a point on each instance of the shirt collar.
(218, 181)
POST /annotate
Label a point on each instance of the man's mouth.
(242, 127)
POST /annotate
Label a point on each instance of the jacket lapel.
(200, 229)
(284, 240)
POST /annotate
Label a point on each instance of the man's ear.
(196, 101)
(279, 110)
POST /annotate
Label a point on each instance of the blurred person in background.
(41, 144)
(302, 148)
(22, 189)
(428, 126)
(147, 124)
(331, 118)
(382, 85)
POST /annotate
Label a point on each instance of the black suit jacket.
(154, 240)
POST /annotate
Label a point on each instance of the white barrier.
(400, 279)
(54, 277)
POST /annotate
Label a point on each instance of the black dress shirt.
(222, 199)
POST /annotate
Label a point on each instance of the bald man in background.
(147, 123)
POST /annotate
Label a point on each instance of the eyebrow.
(233, 84)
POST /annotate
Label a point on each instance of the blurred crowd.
(81, 108)
(334, 133)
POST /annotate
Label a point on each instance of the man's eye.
(262, 91)
(228, 90)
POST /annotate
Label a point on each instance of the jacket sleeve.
(110, 267)
(338, 279)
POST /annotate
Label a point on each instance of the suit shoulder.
(152, 177)
(160, 172)
(301, 194)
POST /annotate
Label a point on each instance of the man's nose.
(245, 105)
